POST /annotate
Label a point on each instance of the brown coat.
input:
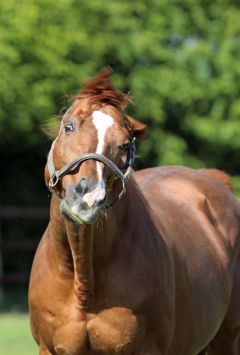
(162, 272)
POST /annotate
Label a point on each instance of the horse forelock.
(100, 91)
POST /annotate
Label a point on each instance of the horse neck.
(80, 240)
(77, 246)
(73, 252)
(81, 249)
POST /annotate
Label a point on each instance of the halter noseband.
(57, 175)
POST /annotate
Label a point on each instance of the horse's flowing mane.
(101, 90)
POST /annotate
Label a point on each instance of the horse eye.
(69, 127)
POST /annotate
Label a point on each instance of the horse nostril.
(82, 186)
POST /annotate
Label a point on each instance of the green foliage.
(178, 58)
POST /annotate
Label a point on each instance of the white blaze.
(102, 123)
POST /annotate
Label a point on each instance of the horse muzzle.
(83, 202)
(78, 215)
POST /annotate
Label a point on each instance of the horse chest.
(112, 331)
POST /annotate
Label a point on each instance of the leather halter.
(57, 175)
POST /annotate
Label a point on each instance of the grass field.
(15, 336)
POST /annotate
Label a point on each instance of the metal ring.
(53, 181)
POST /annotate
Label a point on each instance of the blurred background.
(180, 59)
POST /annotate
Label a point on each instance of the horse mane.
(101, 90)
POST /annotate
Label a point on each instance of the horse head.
(93, 150)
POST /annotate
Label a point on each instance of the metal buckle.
(53, 181)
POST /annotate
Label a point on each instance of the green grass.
(15, 335)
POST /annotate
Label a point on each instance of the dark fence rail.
(24, 213)
(21, 246)
(15, 278)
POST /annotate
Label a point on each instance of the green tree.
(179, 59)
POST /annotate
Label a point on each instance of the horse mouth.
(78, 215)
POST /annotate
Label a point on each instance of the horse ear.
(137, 128)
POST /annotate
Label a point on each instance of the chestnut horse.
(143, 263)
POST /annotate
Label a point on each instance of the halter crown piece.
(57, 175)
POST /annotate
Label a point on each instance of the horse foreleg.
(43, 350)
